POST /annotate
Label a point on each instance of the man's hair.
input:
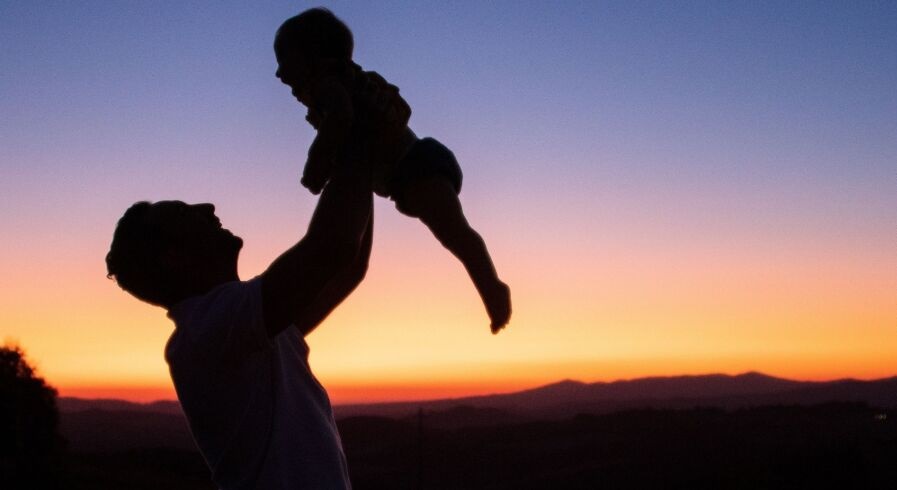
(317, 33)
(133, 256)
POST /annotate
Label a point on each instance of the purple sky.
(590, 133)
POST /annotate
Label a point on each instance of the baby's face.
(295, 71)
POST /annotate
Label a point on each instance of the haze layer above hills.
(567, 398)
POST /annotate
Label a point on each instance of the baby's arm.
(332, 117)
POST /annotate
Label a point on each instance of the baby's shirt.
(385, 154)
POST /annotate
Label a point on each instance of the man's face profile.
(194, 231)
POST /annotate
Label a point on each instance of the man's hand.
(387, 112)
(333, 117)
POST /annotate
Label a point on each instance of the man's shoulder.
(222, 294)
(227, 313)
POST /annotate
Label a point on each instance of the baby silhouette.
(423, 178)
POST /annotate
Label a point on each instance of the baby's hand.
(331, 99)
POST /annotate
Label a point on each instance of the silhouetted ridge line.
(71, 404)
(569, 397)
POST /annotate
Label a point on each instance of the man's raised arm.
(329, 248)
(338, 289)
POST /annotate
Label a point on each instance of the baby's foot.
(498, 305)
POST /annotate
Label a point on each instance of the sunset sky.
(668, 188)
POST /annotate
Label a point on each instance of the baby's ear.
(341, 68)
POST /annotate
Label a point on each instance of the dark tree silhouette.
(30, 446)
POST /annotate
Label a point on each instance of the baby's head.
(304, 44)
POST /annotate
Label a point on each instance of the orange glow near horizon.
(649, 311)
(374, 392)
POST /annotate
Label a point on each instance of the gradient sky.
(669, 187)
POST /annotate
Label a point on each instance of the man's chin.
(237, 243)
(233, 255)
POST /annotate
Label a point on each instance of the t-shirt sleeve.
(228, 321)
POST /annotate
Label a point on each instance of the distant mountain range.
(713, 431)
(568, 398)
(71, 404)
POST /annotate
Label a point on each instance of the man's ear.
(172, 259)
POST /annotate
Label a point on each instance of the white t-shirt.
(260, 418)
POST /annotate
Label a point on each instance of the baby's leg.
(435, 202)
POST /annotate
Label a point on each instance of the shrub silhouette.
(29, 441)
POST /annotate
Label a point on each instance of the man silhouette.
(237, 356)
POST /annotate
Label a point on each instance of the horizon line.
(472, 394)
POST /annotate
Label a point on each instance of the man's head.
(304, 43)
(167, 251)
